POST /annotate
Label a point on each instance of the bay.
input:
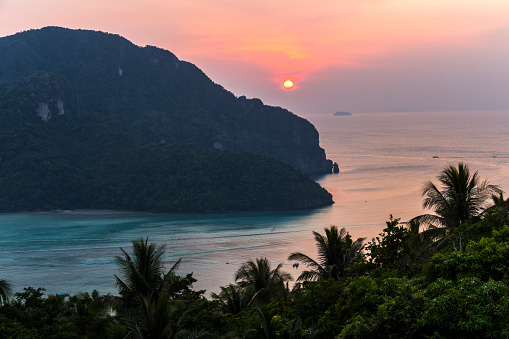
(384, 158)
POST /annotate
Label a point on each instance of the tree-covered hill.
(156, 96)
(59, 157)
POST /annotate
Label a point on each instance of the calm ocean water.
(384, 158)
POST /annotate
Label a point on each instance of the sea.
(384, 157)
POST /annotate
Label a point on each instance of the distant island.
(89, 120)
(342, 113)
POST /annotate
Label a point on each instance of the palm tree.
(146, 291)
(336, 252)
(144, 272)
(5, 291)
(461, 201)
(500, 203)
(232, 299)
(259, 280)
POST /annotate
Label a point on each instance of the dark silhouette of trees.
(232, 299)
(500, 203)
(147, 291)
(336, 252)
(392, 248)
(259, 280)
(461, 200)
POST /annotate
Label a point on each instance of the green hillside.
(56, 158)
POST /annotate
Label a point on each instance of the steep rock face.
(285, 129)
(156, 95)
(39, 95)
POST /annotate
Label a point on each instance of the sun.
(288, 84)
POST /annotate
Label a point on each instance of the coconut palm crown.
(258, 279)
(146, 291)
(232, 299)
(336, 252)
(462, 200)
(143, 272)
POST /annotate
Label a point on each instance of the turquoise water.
(384, 158)
(73, 252)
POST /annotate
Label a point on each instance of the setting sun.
(288, 84)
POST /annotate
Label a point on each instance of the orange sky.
(363, 55)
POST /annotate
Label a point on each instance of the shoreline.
(74, 212)
(100, 212)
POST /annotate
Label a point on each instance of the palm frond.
(427, 220)
(310, 276)
(5, 291)
(298, 256)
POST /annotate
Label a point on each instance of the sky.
(342, 55)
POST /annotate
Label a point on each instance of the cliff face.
(155, 95)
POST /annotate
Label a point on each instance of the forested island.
(88, 120)
(440, 275)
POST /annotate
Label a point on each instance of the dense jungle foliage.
(429, 278)
(93, 161)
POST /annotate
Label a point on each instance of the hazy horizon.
(364, 56)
